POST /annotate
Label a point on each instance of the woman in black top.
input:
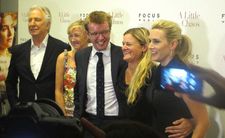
(136, 78)
(170, 48)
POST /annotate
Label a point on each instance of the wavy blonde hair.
(143, 70)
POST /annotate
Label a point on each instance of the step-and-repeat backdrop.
(203, 21)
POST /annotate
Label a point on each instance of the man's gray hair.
(43, 9)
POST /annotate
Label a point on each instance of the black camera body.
(39, 119)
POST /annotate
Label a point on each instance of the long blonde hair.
(143, 70)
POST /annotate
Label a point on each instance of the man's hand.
(180, 129)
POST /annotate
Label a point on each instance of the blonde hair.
(76, 24)
(142, 71)
(173, 32)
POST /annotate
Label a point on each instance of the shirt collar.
(43, 44)
(105, 52)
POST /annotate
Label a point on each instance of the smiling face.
(37, 24)
(132, 49)
(7, 32)
(78, 38)
(99, 35)
(160, 47)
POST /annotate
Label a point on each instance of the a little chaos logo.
(117, 16)
(64, 17)
(223, 17)
(189, 18)
(148, 17)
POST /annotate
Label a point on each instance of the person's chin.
(10, 44)
(154, 58)
(101, 47)
(127, 59)
(33, 33)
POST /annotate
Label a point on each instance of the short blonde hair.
(76, 24)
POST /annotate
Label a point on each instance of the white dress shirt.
(111, 103)
(36, 57)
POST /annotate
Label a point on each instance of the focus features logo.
(148, 17)
(83, 15)
(195, 58)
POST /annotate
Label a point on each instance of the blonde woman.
(137, 77)
(66, 67)
(169, 47)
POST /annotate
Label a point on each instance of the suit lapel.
(86, 62)
(114, 64)
(27, 50)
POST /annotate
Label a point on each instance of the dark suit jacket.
(82, 60)
(20, 68)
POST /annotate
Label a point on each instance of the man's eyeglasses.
(96, 34)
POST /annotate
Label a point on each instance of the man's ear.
(49, 25)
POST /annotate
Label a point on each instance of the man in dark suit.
(98, 24)
(32, 66)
